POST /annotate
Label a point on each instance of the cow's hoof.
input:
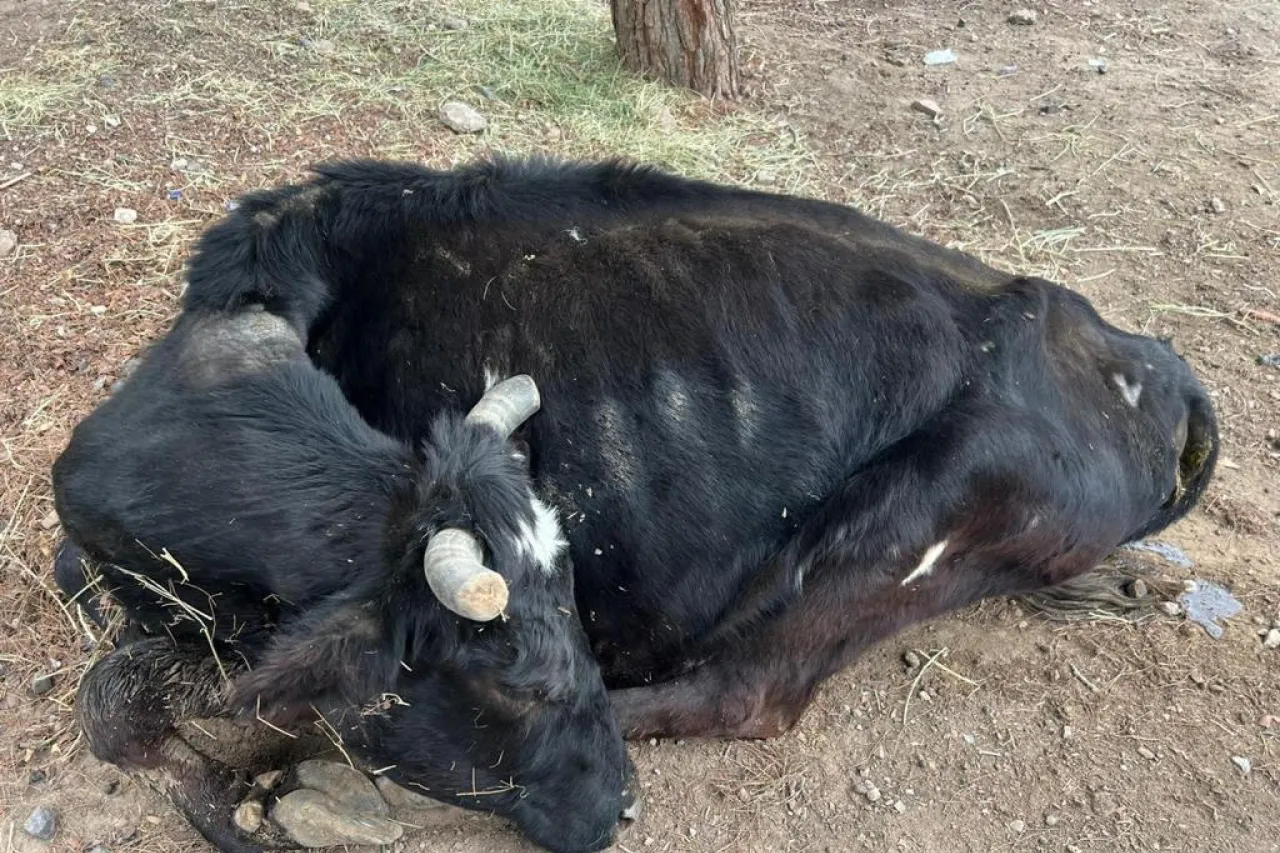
(329, 804)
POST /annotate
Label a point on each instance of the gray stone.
(1272, 640)
(312, 819)
(415, 809)
(8, 242)
(1022, 18)
(125, 215)
(462, 118)
(344, 785)
(1244, 764)
(42, 683)
(42, 824)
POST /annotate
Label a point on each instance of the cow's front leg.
(129, 706)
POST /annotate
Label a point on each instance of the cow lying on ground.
(774, 431)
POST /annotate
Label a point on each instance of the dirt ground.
(1129, 150)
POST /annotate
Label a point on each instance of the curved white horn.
(507, 405)
(455, 570)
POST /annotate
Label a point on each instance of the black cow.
(774, 431)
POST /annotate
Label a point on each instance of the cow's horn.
(507, 405)
(455, 571)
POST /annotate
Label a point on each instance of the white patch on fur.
(1131, 393)
(927, 562)
(676, 396)
(544, 541)
(746, 412)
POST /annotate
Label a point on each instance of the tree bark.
(684, 42)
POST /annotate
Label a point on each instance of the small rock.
(1271, 359)
(1243, 763)
(312, 819)
(98, 848)
(98, 310)
(1051, 820)
(8, 242)
(454, 23)
(1017, 827)
(1171, 608)
(899, 806)
(42, 824)
(1272, 640)
(1215, 205)
(1067, 732)
(248, 816)
(927, 106)
(946, 56)
(343, 784)
(1007, 71)
(1138, 588)
(111, 121)
(42, 683)
(872, 794)
(461, 118)
(36, 777)
(1146, 753)
(1098, 64)
(50, 520)
(911, 659)
(1022, 18)
(766, 178)
(126, 215)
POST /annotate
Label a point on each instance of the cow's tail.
(271, 250)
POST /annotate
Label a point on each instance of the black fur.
(759, 412)
(293, 535)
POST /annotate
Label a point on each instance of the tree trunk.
(684, 42)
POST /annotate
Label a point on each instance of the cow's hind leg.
(896, 546)
(129, 706)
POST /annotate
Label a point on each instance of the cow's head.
(1145, 399)
(474, 673)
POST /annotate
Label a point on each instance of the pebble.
(36, 777)
(930, 108)
(1146, 753)
(940, 57)
(248, 816)
(1216, 205)
(1243, 763)
(1138, 588)
(311, 819)
(1051, 820)
(111, 121)
(126, 215)
(454, 23)
(42, 683)
(8, 242)
(899, 806)
(42, 824)
(1022, 18)
(911, 659)
(50, 520)
(1098, 64)
(1017, 826)
(461, 118)
(1272, 640)
(1171, 608)
(1271, 359)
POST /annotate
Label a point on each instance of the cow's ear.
(340, 652)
